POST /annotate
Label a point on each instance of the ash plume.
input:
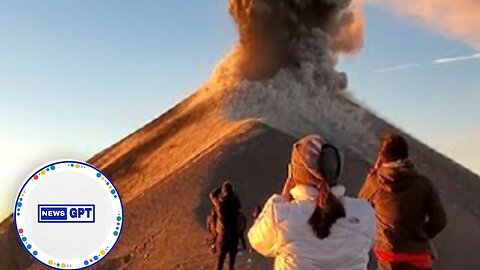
(275, 33)
(283, 70)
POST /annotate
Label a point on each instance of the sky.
(77, 76)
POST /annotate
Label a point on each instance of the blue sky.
(76, 76)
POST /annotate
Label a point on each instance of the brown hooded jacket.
(408, 208)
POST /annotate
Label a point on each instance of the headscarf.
(304, 166)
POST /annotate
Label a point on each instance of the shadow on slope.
(165, 226)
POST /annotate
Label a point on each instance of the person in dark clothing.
(408, 209)
(227, 206)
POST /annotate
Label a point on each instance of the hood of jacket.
(396, 176)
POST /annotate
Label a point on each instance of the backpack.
(212, 223)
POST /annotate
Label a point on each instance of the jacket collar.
(303, 192)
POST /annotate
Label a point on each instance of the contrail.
(439, 61)
(398, 67)
(456, 59)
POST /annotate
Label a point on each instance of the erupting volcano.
(278, 83)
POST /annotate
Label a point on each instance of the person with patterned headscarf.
(312, 224)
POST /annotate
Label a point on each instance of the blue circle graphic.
(30, 245)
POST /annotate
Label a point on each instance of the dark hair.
(322, 166)
(393, 147)
(322, 219)
(227, 187)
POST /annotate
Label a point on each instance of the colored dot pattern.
(77, 165)
(20, 203)
(96, 257)
(43, 172)
(27, 245)
(60, 264)
(117, 232)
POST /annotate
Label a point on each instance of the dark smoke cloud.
(271, 30)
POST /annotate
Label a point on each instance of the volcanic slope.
(165, 170)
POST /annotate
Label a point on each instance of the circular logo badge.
(68, 215)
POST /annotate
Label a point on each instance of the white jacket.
(282, 231)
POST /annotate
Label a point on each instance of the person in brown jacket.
(408, 209)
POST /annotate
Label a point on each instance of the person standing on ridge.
(227, 206)
(408, 209)
(313, 225)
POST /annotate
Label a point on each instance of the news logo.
(58, 213)
(68, 215)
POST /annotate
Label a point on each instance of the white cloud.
(458, 19)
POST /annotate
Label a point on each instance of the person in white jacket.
(312, 224)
